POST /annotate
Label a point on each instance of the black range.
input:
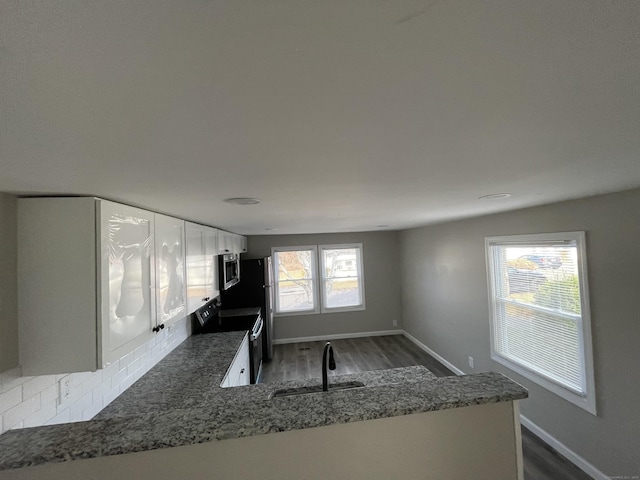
(211, 318)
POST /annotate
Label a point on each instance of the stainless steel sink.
(286, 392)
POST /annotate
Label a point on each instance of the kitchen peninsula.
(403, 422)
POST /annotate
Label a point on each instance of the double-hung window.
(539, 304)
(314, 279)
(342, 284)
(296, 284)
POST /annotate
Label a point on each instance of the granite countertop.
(179, 402)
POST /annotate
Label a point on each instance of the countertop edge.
(217, 414)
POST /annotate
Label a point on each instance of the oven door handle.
(256, 334)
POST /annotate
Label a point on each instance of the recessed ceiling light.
(495, 196)
(242, 201)
(270, 229)
(382, 226)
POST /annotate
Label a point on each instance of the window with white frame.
(539, 304)
(342, 284)
(295, 279)
(303, 288)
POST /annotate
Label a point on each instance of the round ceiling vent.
(242, 201)
(495, 196)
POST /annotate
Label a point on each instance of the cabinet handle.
(158, 328)
(241, 371)
(206, 299)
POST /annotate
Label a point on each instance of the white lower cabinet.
(85, 276)
(238, 372)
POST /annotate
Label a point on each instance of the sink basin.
(286, 392)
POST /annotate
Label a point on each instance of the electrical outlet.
(395, 322)
(471, 362)
(65, 388)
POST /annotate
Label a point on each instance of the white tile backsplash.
(12, 378)
(118, 377)
(17, 414)
(50, 394)
(34, 401)
(133, 366)
(10, 399)
(41, 416)
(37, 384)
(90, 384)
(61, 417)
(77, 408)
(79, 378)
(126, 360)
(110, 370)
(110, 395)
(74, 396)
(140, 351)
(92, 410)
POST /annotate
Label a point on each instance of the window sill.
(586, 402)
(356, 308)
(359, 308)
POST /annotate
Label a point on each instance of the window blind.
(537, 320)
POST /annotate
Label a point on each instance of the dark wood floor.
(302, 360)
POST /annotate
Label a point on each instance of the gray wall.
(8, 283)
(381, 278)
(445, 306)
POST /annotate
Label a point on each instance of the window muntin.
(540, 325)
(342, 283)
(295, 280)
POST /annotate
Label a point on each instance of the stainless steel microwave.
(229, 268)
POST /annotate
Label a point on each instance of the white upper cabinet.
(211, 252)
(224, 242)
(96, 279)
(231, 243)
(195, 266)
(242, 244)
(128, 275)
(202, 265)
(171, 288)
(85, 276)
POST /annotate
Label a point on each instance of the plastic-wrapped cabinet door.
(170, 269)
(196, 267)
(128, 301)
(211, 253)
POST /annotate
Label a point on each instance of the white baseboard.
(563, 450)
(281, 341)
(559, 447)
(423, 347)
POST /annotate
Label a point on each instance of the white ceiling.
(341, 115)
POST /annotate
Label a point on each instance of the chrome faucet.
(332, 365)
